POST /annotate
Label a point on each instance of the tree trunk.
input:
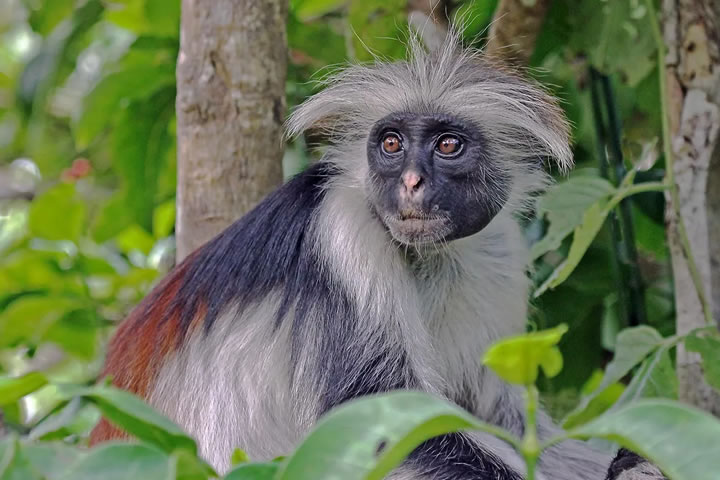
(430, 19)
(692, 64)
(230, 108)
(516, 25)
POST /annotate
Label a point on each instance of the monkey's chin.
(418, 231)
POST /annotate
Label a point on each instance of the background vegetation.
(87, 197)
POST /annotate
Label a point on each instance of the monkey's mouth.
(417, 228)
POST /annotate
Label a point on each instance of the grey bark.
(230, 108)
(430, 19)
(692, 64)
(513, 33)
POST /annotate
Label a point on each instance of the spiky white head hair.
(522, 123)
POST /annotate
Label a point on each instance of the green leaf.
(134, 416)
(564, 205)
(708, 347)
(134, 238)
(13, 464)
(13, 389)
(655, 378)
(121, 462)
(585, 233)
(517, 359)
(682, 441)
(46, 15)
(57, 214)
(164, 219)
(114, 216)
(320, 44)
(28, 319)
(632, 346)
(254, 471)
(51, 459)
(163, 17)
(76, 332)
(238, 457)
(366, 438)
(101, 106)
(619, 39)
(378, 26)
(189, 467)
(139, 141)
(129, 14)
(307, 9)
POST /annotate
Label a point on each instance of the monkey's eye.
(448, 145)
(391, 143)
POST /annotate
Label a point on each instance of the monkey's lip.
(417, 228)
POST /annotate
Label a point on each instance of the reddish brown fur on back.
(142, 342)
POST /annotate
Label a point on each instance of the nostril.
(418, 184)
(412, 181)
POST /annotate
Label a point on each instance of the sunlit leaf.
(164, 219)
(14, 388)
(134, 238)
(163, 17)
(239, 456)
(45, 16)
(517, 359)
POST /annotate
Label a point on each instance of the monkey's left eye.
(448, 145)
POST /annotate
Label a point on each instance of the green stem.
(669, 165)
(530, 445)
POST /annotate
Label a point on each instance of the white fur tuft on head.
(521, 122)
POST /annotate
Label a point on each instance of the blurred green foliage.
(87, 179)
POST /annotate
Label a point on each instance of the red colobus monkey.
(392, 263)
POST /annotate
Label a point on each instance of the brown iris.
(448, 144)
(391, 143)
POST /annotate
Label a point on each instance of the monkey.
(391, 263)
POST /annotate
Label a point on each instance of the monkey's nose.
(413, 183)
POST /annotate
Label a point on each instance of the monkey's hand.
(629, 466)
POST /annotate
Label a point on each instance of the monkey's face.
(432, 178)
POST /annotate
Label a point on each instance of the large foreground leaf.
(135, 417)
(366, 438)
(682, 441)
(122, 462)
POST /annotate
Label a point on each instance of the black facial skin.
(424, 196)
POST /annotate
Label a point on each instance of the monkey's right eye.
(391, 143)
